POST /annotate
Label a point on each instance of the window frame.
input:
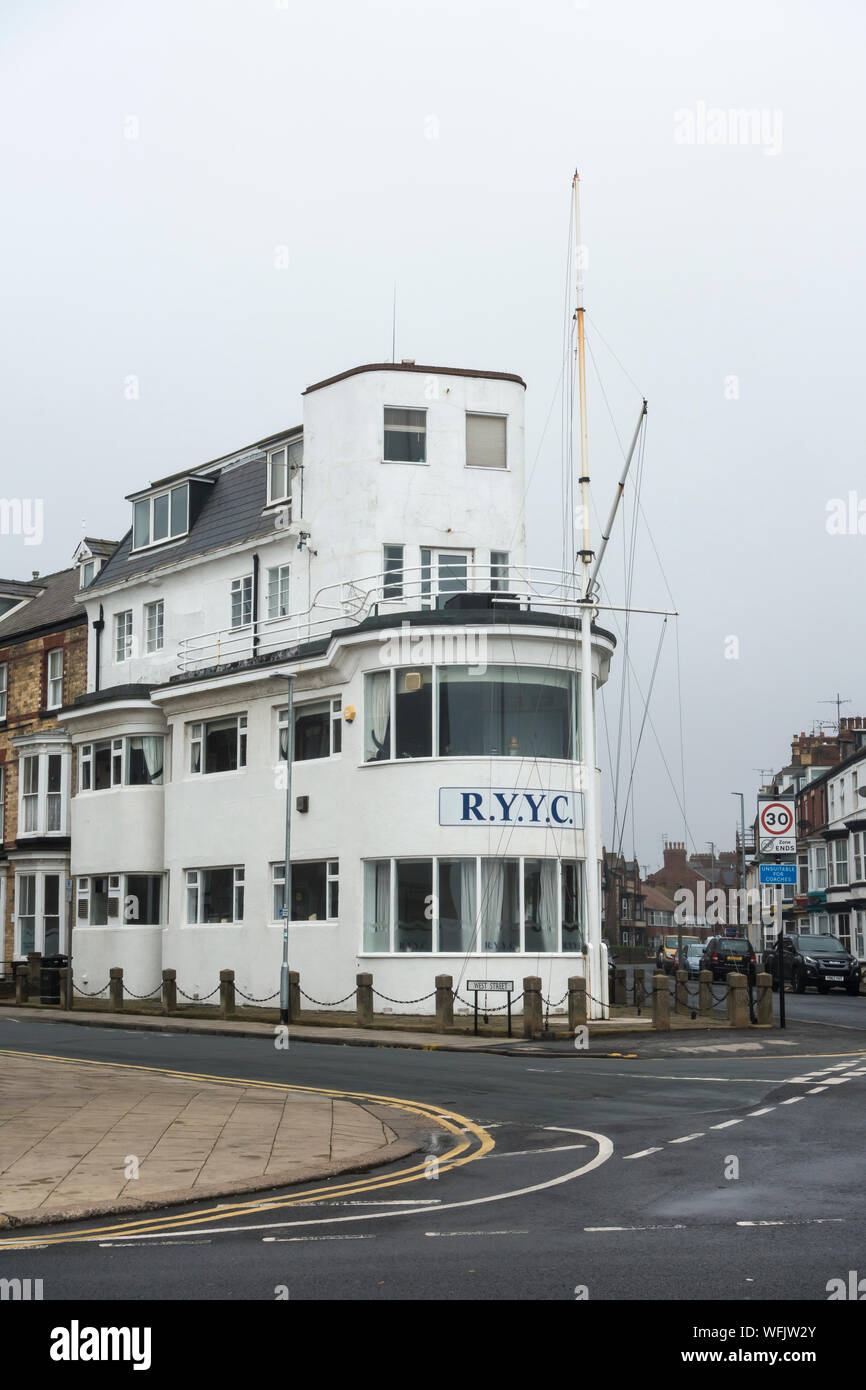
(332, 889)
(156, 606)
(125, 613)
(50, 680)
(246, 586)
(119, 748)
(238, 884)
(488, 415)
(150, 501)
(43, 799)
(200, 741)
(404, 429)
(286, 448)
(284, 576)
(335, 728)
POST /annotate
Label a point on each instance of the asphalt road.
(705, 1168)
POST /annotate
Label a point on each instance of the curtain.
(549, 905)
(152, 749)
(378, 715)
(492, 892)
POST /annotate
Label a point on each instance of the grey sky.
(310, 127)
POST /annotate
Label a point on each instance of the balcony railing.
(350, 602)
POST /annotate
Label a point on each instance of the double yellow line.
(472, 1142)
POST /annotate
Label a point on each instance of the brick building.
(623, 898)
(43, 666)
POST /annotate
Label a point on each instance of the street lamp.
(287, 891)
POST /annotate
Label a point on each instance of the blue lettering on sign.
(494, 806)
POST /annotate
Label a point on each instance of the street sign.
(776, 825)
(777, 873)
(495, 986)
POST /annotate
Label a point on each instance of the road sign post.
(776, 836)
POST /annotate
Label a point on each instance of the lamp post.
(287, 891)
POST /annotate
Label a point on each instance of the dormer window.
(282, 463)
(161, 517)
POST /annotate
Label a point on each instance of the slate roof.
(54, 605)
(232, 512)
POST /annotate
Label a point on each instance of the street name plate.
(502, 986)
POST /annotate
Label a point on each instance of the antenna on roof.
(838, 702)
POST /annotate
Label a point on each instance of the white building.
(377, 553)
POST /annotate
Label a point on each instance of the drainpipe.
(98, 625)
(255, 604)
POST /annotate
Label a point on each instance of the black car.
(723, 954)
(816, 960)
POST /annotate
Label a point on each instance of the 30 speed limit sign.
(776, 825)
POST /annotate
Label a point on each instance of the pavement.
(78, 1139)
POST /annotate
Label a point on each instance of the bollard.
(34, 971)
(576, 1001)
(620, 985)
(363, 999)
(639, 989)
(532, 1025)
(444, 1002)
(738, 1001)
(661, 1002)
(22, 985)
(169, 992)
(705, 1008)
(294, 997)
(764, 986)
(682, 991)
(115, 988)
(227, 993)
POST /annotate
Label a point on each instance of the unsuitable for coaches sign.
(776, 825)
(505, 806)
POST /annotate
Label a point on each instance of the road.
(700, 1169)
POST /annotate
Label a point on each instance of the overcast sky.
(154, 157)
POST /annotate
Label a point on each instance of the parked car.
(692, 956)
(816, 960)
(723, 954)
(666, 958)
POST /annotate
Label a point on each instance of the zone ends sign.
(776, 825)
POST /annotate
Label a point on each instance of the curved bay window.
(480, 904)
(500, 711)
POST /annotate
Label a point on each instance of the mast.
(597, 1003)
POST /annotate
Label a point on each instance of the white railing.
(349, 602)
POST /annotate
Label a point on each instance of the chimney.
(35, 574)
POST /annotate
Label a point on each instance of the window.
(318, 730)
(282, 463)
(88, 572)
(405, 436)
(572, 905)
(123, 635)
(820, 875)
(392, 582)
(133, 761)
(541, 905)
(413, 700)
(315, 890)
(4, 687)
(154, 619)
(500, 904)
(142, 899)
(498, 571)
(38, 919)
(485, 441)
(220, 745)
(42, 794)
(214, 895)
(413, 928)
(840, 862)
(859, 848)
(54, 679)
(278, 591)
(802, 873)
(458, 899)
(832, 801)
(161, 517)
(242, 601)
(513, 711)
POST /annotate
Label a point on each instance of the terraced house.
(375, 554)
(43, 666)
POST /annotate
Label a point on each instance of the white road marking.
(677, 1227)
(815, 1089)
(605, 1149)
(687, 1138)
(793, 1100)
(290, 1240)
(441, 1235)
(836, 1080)
(522, 1153)
(125, 1244)
(803, 1221)
(766, 1110)
(643, 1153)
(726, 1124)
